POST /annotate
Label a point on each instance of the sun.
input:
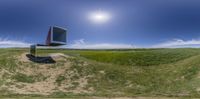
(99, 17)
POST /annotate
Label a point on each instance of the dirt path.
(48, 74)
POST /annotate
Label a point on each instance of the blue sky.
(132, 23)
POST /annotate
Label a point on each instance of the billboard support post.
(33, 50)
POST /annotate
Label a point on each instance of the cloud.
(178, 43)
(81, 44)
(5, 43)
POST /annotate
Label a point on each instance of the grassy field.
(101, 73)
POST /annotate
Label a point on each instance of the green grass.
(23, 78)
(139, 58)
(147, 72)
(135, 57)
(136, 72)
(60, 79)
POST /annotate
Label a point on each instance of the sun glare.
(99, 17)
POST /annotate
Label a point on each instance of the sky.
(102, 23)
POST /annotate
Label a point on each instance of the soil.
(51, 72)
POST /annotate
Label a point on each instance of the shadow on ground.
(39, 59)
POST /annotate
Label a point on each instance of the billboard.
(56, 36)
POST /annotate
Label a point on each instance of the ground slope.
(107, 73)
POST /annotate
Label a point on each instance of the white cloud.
(177, 43)
(83, 45)
(5, 43)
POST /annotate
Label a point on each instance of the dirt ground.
(51, 72)
(49, 86)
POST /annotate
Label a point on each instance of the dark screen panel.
(59, 35)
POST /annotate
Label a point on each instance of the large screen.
(59, 35)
